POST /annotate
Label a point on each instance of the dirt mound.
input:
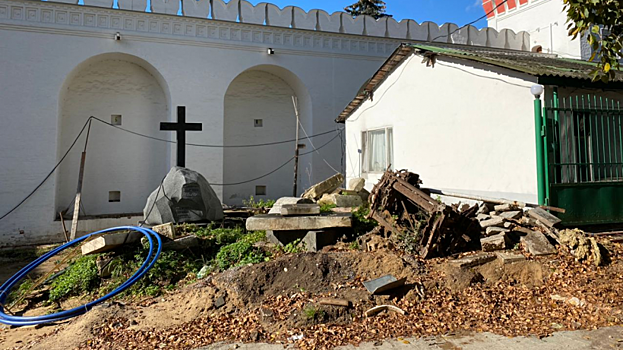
(525, 273)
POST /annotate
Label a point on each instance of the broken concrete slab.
(473, 260)
(493, 243)
(517, 214)
(109, 242)
(544, 217)
(356, 184)
(494, 230)
(537, 244)
(327, 186)
(497, 221)
(341, 201)
(483, 217)
(509, 258)
(483, 209)
(300, 209)
(182, 243)
(276, 209)
(383, 284)
(307, 223)
(166, 230)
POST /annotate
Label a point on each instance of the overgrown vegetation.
(293, 247)
(361, 224)
(327, 208)
(79, 278)
(258, 204)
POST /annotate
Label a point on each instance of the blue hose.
(5, 289)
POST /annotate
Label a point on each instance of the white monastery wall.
(463, 137)
(546, 23)
(46, 46)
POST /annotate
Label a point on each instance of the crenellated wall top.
(266, 14)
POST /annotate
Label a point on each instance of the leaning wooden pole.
(296, 151)
(74, 222)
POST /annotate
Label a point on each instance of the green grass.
(258, 204)
(313, 313)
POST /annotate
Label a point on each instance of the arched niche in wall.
(121, 169)
(259, 109)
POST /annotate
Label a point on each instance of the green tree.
(602, 22)
(373, 8)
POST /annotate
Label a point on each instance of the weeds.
(259, 204)
(361, 224)
(79, 278)
(294, 247)
(327, 208)
(313, 313)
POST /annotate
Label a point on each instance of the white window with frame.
(377, 150)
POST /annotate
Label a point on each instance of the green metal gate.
(584, 158)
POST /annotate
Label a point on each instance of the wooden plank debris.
(334, 302)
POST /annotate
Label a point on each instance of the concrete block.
(109, 242)
(316, 240)
(493, 243)
(537, 244)
(356, 184)
(276, 209)
(167, 230)
(289, 223)
(509, 258)
(341, 201)
(182, 243)
(473, 260)
(327, 186)
(300, 209)
(497, 221)
(544, 217)
(512, 214)
(494, 230)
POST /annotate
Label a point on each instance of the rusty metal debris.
(435, 229)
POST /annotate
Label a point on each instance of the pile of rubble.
(329, 192)
(424, 225)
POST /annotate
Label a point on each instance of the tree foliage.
(373, 8)
(602, 22)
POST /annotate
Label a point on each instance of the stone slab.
(276, 209)
(327, 186)
(509, 258)
(483, 217)
(356, 184)
(504, 207)
(289, 223)
(537, 244)
(182, 243)
(109, 242)
(166, 230)
(494, 230)
(300, 209)
(497, 221)
(517, 214)
(383, 284)
(544, 217)
(473, 260)
(493, 243)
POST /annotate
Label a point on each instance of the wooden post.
(74, 222)
(296, 151)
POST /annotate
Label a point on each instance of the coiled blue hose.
(5, 289)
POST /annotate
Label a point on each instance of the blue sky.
(440, 11)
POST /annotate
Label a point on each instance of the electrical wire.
(314, 147)
(281, 166)
(5, 289)
(472, 22)
(50, 173)
(205, 145)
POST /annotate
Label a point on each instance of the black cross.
(181, 127)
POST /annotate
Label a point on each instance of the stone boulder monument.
(184, 196)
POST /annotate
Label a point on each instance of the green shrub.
(361, 224)
(259, 204)
(294, 247)
(79, 278)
